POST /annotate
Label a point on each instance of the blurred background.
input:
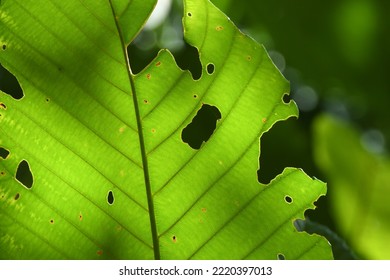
(336, 55)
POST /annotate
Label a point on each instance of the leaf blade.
(82, 131)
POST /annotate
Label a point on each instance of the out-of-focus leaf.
(359, 187)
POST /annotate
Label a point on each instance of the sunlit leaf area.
(194, 129)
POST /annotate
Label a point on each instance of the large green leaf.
(112, 176)
(358, 186)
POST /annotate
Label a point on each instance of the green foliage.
(359, 183)
(111, 175)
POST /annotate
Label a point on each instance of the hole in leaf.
(24, 175)
(187, 58)
(288, 199)
(210, 68)
(3, 106)
(189, 14)
(17, 196)
(110, 197)
(281, 257)
(202, 126)
(4, 153)
(4, 47)
(52, 221)
(2, 173)
(9, 84)
(286, 98)
(272, 147)
(174, 239)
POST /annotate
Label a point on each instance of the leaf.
(112, 176)
(340, 249)
(358, 182)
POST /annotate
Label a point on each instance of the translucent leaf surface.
(113, 176)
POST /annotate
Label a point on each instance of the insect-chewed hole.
(280, 256)
(9, 84)
(17, 196)
(189, 14)
(288, 199)
(202, 126)
(4, 153)
(4, 47)
(24, 175)
(210, 68)
(110, 198)
(174, 239)
(188, 59)
(286, 98)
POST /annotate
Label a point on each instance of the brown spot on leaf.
(158, 63)
(219, 28)
(148, 76)
(99, 252)
(204, 210)
(264, 120)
